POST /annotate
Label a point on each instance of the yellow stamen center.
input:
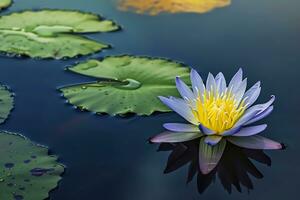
(218, 112)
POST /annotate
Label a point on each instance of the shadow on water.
(234, 169)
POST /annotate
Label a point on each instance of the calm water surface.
(109, 157)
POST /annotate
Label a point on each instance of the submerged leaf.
(51, 33)
(5, 4)
(6, 103)
(26, 169)
(126, 84)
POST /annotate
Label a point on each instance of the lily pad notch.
(27, 171)
(6, 103)
(125, 84)
(52, 33)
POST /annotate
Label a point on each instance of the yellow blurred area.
(154, 7)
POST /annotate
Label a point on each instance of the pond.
(109, 157)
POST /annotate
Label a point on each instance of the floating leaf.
(6, 103)
(125, 84)
(51, 33)
(5, 4)
(26, 170)
(154, 7)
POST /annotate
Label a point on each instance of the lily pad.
(125, 84)
(6, 103)
(155, 7)
(52, 33)
(26, 170)
(5, 4)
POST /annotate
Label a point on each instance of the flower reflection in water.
(154, 7)
(218, 113)
(235, 168)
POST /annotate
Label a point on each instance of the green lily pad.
(52, 33)
(5, 4)
(26, 170)
(125, 84)
(6, 103)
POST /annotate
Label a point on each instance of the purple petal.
(180, 107)
(178, 127)
(254, 142)
(265, 106)
(173, 137)
(251, 130)
(221, 83)
(252, 94)
(184, 90)
(236, 81)
(209, 156)
(261, 115)
(240, 91)
(211, 83)
(254, 111)
(197, 83)
(212, 139)
(248, 115)
(231, 131)
(206, 130)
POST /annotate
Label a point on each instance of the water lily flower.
(217, 112)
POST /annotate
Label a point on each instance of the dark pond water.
(108, 157)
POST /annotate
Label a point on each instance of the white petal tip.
(207, 169)
(278, 146)
(177, 77)
(161, 97)
(152, 140)
(164, 100)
